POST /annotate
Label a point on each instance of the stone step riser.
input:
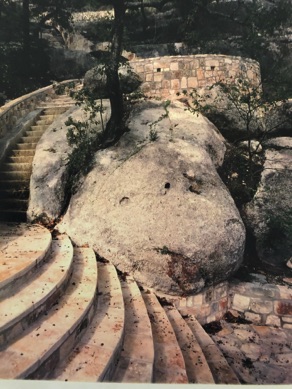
(38, 128)
(16, 167)
(47, 117)
(14, 194)
(55, 110)
(46, 121)
(29, 139)
(58, 106)
(35, 133)
(14, 203)
(26, 146)
(13, 216)
(27, 159)
(22, 153)
(15, 175)
(14, 185)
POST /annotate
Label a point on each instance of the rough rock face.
(158, 208)
(49, 174)
(269, 214)
(95, 81)
(276, 121)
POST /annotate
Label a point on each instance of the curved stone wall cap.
(196, 56)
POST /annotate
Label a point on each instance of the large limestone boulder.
(155, 206)
(230, 116)
(269, 214)
(95, 81)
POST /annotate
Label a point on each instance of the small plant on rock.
(85, 136)
(243, 99)
(153, 135)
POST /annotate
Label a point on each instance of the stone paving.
(258, 354)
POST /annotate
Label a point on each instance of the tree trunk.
(114, 128)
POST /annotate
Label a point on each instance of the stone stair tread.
(169, 365)
(57, 104)
(27, 159)
(49, 110)
(138, 348)
(197, 367)
(39, 127)
(95, 356)
(16, 166)
(23, 153)
(26, 146)
(30, 138)
(15, 309)
(30, 243)
(27, 355)
(15, 175)
(222, 372)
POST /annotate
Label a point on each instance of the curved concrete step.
(197, 367)
(53, 335)
(221, 370)
(169, 365)
(137, 356)
(95, 356)
(22, 247)
(18, 311)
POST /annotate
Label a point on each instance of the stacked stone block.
(167, 76)
(263, 304)
(209, 305)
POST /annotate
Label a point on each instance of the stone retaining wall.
(166, 76)
(209, 305)
(264, 304)
(16, 109)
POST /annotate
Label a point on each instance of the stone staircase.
(66, 316)
(16, 168)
